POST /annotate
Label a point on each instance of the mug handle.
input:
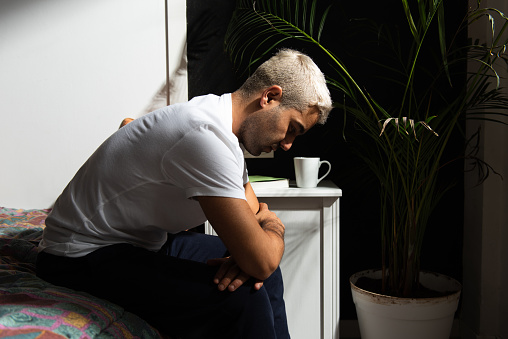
(329, 169)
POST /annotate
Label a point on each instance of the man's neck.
(241, 109)
(236, 109)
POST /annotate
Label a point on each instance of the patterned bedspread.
(32, 308)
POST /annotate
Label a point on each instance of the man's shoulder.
(202, 105)
(207, 110)
(207, 98)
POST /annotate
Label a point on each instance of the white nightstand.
(310, 265)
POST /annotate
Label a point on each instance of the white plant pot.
(386, 317)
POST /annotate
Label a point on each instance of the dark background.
(210, 71)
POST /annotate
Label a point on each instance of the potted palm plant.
(403, 143)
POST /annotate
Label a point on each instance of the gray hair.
(302, 82)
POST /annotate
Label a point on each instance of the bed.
(33, 308)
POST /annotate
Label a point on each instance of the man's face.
(268, 129)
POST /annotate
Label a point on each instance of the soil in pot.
(376, 286)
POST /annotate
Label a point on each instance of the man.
(118, 229)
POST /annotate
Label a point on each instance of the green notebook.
(261, 181)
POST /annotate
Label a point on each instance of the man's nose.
(286, 143)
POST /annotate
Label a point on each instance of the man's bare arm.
(229, 275)
(257, 250)
(255, 206)
(251, 197)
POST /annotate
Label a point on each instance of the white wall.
(70, 71)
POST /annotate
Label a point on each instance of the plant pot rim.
(453, 293)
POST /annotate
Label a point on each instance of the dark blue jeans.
(173, 288)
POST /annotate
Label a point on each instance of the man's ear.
(272, 95)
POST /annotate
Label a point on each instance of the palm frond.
(406, 125)
(267, 24)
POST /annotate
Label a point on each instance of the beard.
(256, 131)
(250, 140)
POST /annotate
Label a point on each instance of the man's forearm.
(275, 230)
(274, 226)
(256, 251)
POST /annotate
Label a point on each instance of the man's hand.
(229, 276)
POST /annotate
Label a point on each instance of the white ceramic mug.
(307, 171)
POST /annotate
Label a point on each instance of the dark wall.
(209, 69)
(211, 72)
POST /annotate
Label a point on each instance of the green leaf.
(410, 21)
(442, 40)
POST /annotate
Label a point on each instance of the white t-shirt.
(140, 183)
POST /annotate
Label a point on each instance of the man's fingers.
(223, 268)
(232, 273)
(258, 284)
(229, 275)
(262, 207)
(240, 279)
